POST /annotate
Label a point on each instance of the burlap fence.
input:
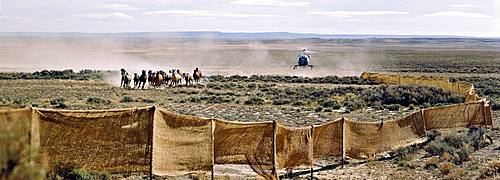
(466, 90)
(366, 139)
(114, 141)
(294, 146)
(154, 140)
(182, 144)
(246, 143)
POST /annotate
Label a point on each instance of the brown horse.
(158, 80)
(197, 75)
(176, 78)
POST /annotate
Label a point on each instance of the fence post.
(343, 143)
(275, 173)
(311, 149)
(151, 142)
(213, 147)
(423, 119)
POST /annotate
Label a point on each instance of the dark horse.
(142, 79)
(123, 74)
(136, 80)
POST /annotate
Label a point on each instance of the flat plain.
(252, 80)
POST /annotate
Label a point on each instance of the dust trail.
(213, 56)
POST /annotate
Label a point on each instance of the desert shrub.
(431, 163)
(97, 100)
(218, 99)
(251, 86)
(148, 101)
(438, 148)
(411, 107)
(476, 137)
(194, 99)
(254, 101)
(407, 94)
(318, 109)
(392, 107)
(492, 170)
(457, 173)
(404, 152)
(127, 99)
(352, 105)
(433, 134)
(281, 101)
(54, 74)
(446, 167)
(294, 79)
(455, 140)
(58, 103)
(331, 104)
(456, 148)
(18, 160)
(64, 172)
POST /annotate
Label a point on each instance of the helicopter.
(304, 60)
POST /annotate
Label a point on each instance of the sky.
(480, 18)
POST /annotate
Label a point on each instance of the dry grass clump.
(492, 170)
(456, 173)
(446, 167)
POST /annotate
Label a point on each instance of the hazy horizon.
(385, 17)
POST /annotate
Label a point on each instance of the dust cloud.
(212, 56)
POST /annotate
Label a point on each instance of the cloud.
(347, 14)
(118, 7)
(103, 16)
(270, 3)
(463, 5)
(201, 13)
(459, 14)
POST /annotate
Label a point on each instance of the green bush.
(97, 100)
(331, 104)
(281, 101)
(392, 107)
(456, 147)
(318, 109)
(58, 103)
(127, 99)
(433, 134)
(54, 74)
(254, 101)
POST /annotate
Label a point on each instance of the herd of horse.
(158, 79)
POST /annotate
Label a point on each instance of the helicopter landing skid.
(310, 66)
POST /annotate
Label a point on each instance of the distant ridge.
(225, 35)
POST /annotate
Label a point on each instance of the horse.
(158, 80)
(197, 75)
(136, 80)
(166, 77)
(126, 81)
(176, 78)
(150, 77)
(187, 78)
(123, 73)
(142, 79)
